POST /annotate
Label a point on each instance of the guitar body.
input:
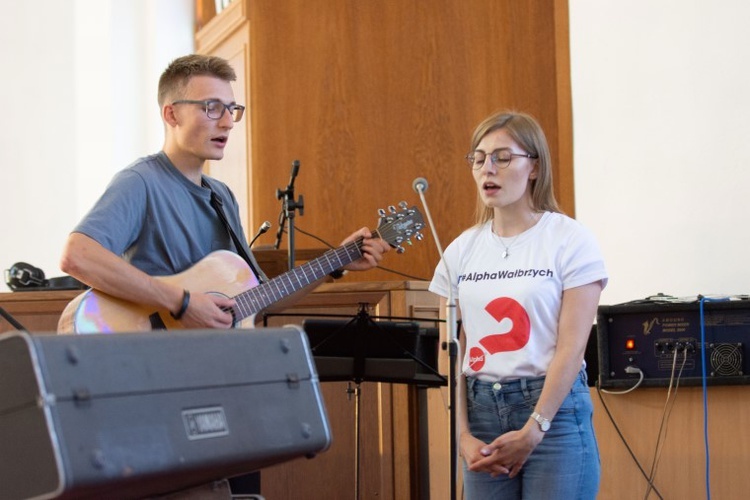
(221, 272)
(226, 273)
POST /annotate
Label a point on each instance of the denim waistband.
(517, 385)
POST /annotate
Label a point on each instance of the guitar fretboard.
(256, 299)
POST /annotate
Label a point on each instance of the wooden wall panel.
(681, 471)
(228, 36)
(370, 95)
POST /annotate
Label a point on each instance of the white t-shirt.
(510, 307)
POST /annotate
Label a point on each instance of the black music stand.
(361, 349)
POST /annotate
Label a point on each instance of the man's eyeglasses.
(499, 157)
(214, 108)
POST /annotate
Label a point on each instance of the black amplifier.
(658, 337)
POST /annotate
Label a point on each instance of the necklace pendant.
(505, 254)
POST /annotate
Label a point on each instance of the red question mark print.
(518, 336)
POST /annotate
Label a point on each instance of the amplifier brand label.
(666, 324)
(204, 423)
(675, 325)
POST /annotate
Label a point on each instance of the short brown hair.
(175, 78)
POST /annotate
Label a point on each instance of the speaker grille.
(726, 360)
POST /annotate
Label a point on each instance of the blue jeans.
(565, 465)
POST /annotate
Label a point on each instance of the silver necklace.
(506, 252)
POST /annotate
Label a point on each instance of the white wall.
(661, 99)
(37, 150)
(71, 114)
(660, 94)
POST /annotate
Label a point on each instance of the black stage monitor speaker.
(132, 415)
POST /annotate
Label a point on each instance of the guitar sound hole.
(231, 311)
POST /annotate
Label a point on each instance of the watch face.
(544, 424)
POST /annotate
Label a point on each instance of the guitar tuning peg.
(419, 236)
(400, 249)
(402, 205)
(381, 212)
(392, 209)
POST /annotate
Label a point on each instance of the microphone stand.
(287, 212)
(420, 186)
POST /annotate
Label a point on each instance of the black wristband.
(184, 306)
(337, 274)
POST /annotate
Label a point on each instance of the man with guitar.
(157, 239)
(156, 218)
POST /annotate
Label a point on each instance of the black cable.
(379, 266)
(10, 319)
(624, 441)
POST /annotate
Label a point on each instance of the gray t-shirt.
(159, 221)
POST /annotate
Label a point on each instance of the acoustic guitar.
(226, 273)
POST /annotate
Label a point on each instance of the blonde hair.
(527, 132)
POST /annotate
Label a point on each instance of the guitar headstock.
(400, 226)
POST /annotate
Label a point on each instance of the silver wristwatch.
(544, 423)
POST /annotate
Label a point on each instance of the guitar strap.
(218, 205)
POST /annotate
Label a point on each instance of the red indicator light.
(630, 344)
